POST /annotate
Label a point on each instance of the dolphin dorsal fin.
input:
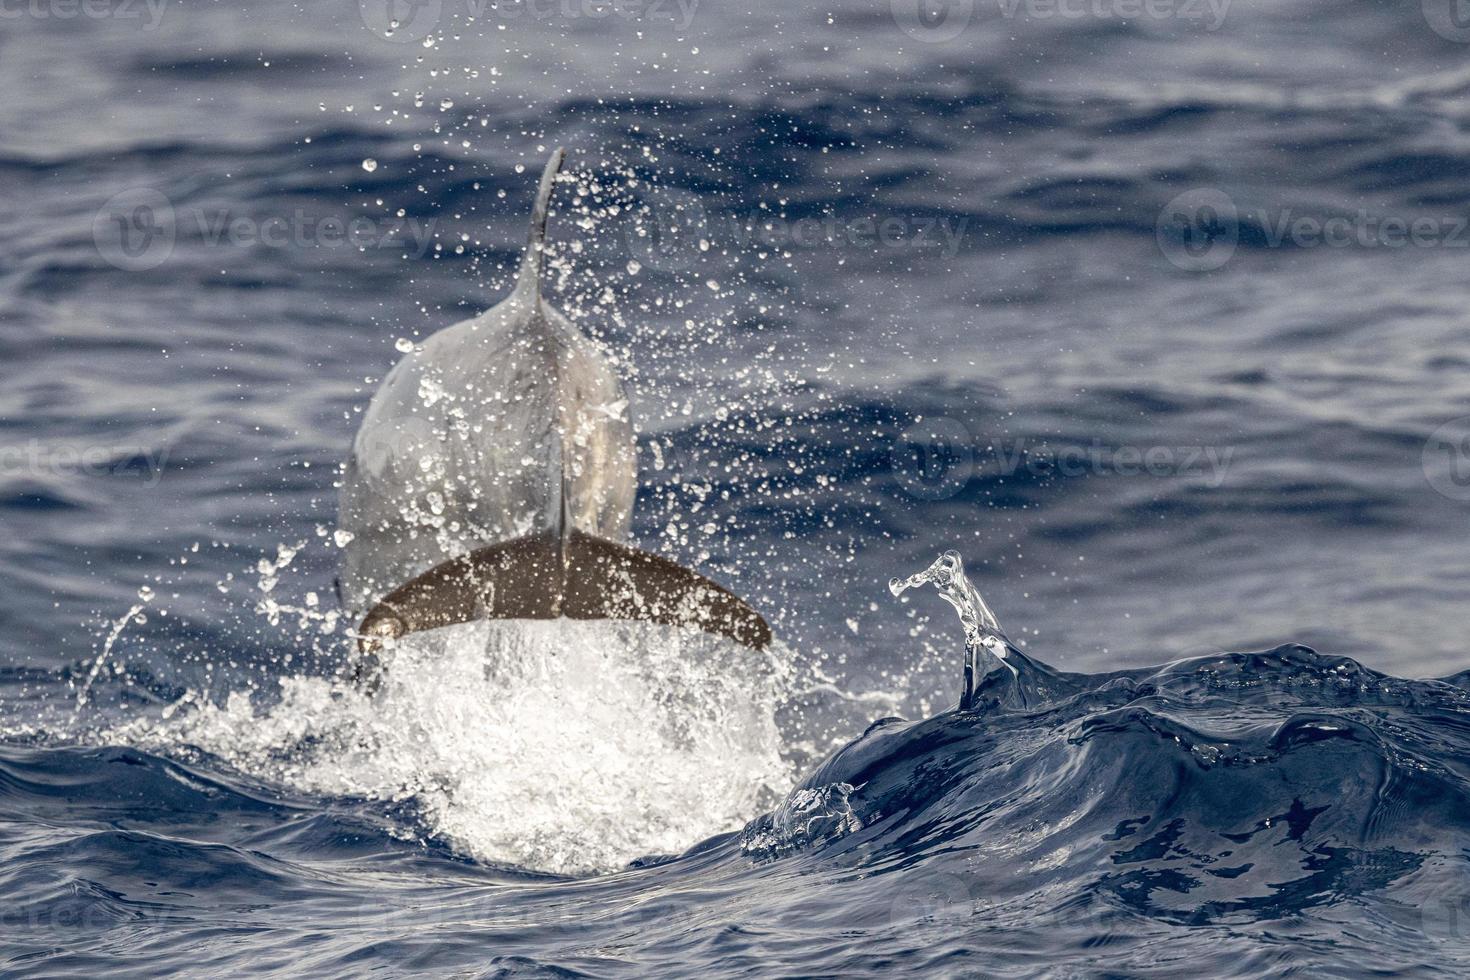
(528, 280)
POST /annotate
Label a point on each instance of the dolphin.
(493, 477)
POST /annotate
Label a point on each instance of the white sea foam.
(563, 746)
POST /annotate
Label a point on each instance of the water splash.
(133, 615)
(565, 746)
(809, 817)
(983, 634)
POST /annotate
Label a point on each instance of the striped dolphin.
(494, 476)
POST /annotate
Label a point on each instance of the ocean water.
(1157, 313)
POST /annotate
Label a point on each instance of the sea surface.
(1156, 311)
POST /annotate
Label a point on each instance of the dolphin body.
(494, 476)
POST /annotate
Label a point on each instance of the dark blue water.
(1159, 318)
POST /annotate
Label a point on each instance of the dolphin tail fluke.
(546, 576)
(528, 280)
